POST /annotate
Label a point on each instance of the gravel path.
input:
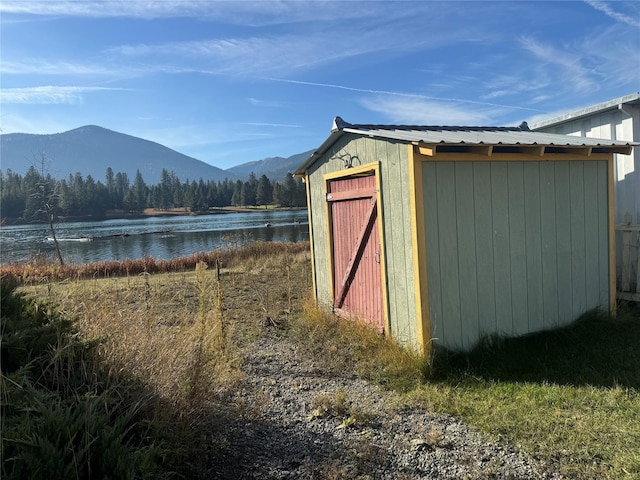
(304, 424)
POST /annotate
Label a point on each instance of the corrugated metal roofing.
(460, 135)
(433, 135)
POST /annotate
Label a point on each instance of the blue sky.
(229, 82)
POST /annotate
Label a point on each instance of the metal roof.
(461, 136)
(616, 103)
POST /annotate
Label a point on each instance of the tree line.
(23, 197)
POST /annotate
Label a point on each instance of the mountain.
(91, 149)
(275, 168)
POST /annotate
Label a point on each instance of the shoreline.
(150, 213)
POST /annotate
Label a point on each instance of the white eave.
(615, 104)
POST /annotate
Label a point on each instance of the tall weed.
(60, 417)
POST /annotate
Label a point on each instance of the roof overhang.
(488, 141)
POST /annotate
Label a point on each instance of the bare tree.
(45, 196)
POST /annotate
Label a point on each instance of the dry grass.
(42, 272)
(182, 334)
(167, 328)
(352, 346)
(569, 398)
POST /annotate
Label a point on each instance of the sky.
(228, 82)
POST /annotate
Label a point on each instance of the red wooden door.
(355, 242)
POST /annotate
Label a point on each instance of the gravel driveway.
(306, 424)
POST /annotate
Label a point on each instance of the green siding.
(501, 246)
(396, 217)
(432, 238)
(484, 246)
(467, 259)
(513, 247)
(549, 242)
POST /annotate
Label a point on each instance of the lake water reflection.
(158, 237)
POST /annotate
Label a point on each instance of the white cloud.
(425, 112)
(47, 94)
(240, 12)
(105, 8)
(408, 96)
(38, 66)
(632, 19)
(570, 62)
(276, 125)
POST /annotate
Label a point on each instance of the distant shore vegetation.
(77, 196)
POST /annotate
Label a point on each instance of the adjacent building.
(617, 119)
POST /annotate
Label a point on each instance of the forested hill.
(90, 150)
(90, 171)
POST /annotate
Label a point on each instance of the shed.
(446, 234)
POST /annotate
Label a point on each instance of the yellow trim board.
(350, 172)
(419, 250)
(310, 217)
(383, 249)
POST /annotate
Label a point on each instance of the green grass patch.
(569, 397)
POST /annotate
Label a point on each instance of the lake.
(157, 237)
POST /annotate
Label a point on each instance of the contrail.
(399, 94)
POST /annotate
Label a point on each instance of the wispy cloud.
(570, 62)
(289, 52)
(244, 56)
(39, 66)
(277, 125)
(254, 13)
(425, 112)
(632, 19)
(256, 102)
(104, 8)
(48, 94)
(409, 96)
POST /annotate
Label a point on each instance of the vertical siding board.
(563, 232)
(449, 268)
(517, 242)
(578, 244)
(430, 193)
(467, 262)
(592, 227)
(549, 244)
(533, 245)
(483, 207)
(320, 236)
(603, 235)
(501, 247)
(397, 264)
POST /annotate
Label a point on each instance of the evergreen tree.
(122, 188)
(165, 196)
(139, 193)
(12, 195)
(264, 191)
(236, 197)
(110, 183)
